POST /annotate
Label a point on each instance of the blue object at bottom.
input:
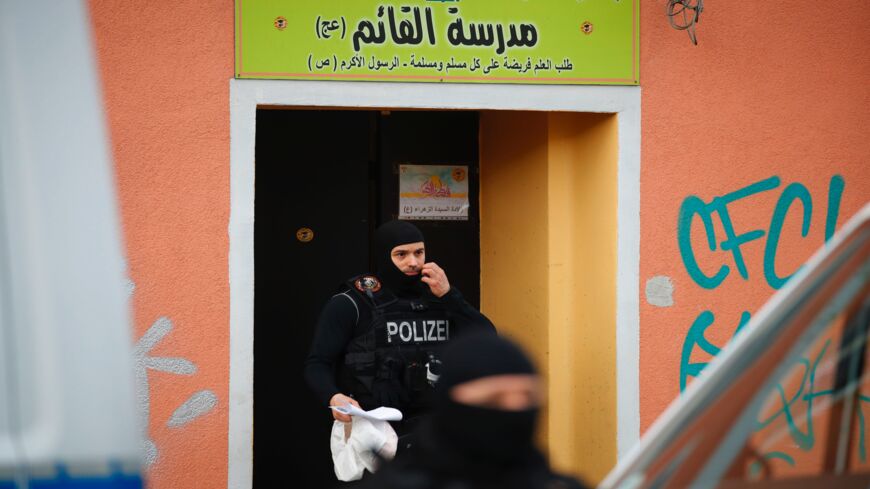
(115, 480)
(111, 482)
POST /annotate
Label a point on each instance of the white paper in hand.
(380, 414)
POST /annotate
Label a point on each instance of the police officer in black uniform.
(378, 341)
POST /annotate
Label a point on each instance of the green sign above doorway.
(472, 41)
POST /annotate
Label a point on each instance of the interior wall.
(513, 228)
(582, 192)
(548, 268)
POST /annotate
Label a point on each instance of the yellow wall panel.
(513, 228)
(583, 151)
(548, 268)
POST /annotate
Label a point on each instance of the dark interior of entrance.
(332, 176)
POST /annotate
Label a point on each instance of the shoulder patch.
(367, 282)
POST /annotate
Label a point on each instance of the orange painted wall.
(772, 89)
(165, 68)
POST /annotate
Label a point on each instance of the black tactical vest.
(402, 344)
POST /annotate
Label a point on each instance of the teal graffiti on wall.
(695, 338)
(693, 206)
(800, 405)
(794, 198)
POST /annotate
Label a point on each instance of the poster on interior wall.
(480, 41)
(433, 192)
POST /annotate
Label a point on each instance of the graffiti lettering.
(798, 409)
(807, 440)
(695, 337)
(793, 413)
(694, 206)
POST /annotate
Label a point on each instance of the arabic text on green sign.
(478, 41)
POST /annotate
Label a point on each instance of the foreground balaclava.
(491, 436)
(388, 236)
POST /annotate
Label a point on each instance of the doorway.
(503, 235)
(325, 180)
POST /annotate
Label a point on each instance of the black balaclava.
(487, 436)
(388, 236)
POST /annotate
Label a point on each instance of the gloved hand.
(387, 385)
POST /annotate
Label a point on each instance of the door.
(310, 233)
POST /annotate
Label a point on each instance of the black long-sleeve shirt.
(342, 320)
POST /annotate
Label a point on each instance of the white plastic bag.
(368, 439)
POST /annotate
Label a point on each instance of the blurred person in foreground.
(481, 430)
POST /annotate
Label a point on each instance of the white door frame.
(247, 95)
